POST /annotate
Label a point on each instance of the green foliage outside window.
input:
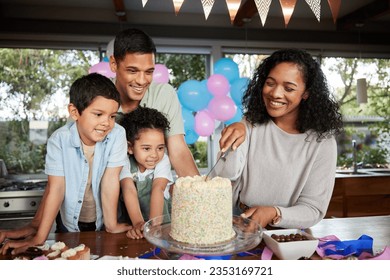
(29, 82)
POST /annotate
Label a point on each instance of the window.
(34, 86)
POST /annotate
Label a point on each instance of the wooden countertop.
(103, 243)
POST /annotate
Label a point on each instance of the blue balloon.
(237, 117)
(228, 68)
(191, 137)
(207, 93)
(192, 95)
(188, 118)
(238, 88)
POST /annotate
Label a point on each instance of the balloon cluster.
(209, 102)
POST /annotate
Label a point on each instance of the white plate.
(248, 235)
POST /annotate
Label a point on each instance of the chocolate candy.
(289, 237)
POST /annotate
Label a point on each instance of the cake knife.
(223, 157)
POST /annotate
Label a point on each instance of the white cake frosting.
(54, 254)
(58, 246)
(44, 247)
(68, 253)
(202, 210)
(79, 247)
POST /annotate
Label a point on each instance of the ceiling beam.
(359, 17)
(120, 10)
(245, 13)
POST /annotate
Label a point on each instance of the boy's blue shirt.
(65, 157)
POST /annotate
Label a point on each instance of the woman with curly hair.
(284, 172)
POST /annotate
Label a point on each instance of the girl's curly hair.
(319, 112)
(142, 118)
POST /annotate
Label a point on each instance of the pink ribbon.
(384, 255)
(267, 254)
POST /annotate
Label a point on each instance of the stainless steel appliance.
(19, 200)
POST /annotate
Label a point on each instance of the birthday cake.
(202, 211)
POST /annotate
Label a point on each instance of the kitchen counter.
(107, 244)
(363, 194)
(364, 172)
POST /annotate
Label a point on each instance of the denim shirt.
(65, 157)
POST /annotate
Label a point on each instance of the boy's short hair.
(84, 90)
(142, 118)
(132, 40)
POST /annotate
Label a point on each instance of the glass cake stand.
(248, 235)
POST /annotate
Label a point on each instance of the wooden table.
(103, 243)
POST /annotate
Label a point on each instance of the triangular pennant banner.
(263, 9)
(207, 6)
(288, 9)
(315, 6)
(177, 4)
(334, 8)
(144, 3)
(233, 6)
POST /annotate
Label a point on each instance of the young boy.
(146, 130)
(83, 162)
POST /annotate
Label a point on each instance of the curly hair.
(140, 119)
(319, 112)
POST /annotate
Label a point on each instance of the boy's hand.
(136, 231)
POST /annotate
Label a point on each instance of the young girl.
(283, 174)
(146, 196)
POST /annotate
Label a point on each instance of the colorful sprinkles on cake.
(202, 211)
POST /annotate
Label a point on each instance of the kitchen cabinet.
(355, 196)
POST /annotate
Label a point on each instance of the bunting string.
(233, 6)
(263, 7)
(334, 8)
(177, 4)
(207, 6)
(315, 6)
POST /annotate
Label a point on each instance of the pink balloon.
(204, 124)
(223, 108)
(102, 68)
(218, 85)
(160, 74)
